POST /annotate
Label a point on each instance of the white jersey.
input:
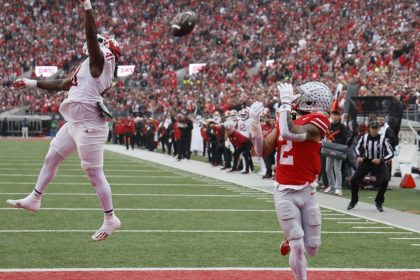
(244, 127)
(86, 91)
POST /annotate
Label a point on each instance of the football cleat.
(328, 190)
(29, 203)
(285, 247)
(107, 228)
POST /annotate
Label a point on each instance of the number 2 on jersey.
(286, 160)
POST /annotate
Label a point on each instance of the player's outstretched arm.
(95, 54)
(60, 84)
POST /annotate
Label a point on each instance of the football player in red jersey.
(298, 145)
(85, 130)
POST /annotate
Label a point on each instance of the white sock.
(297, 259)
(48, 171)
(103, 190)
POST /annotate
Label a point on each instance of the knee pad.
(311, 218)
(289, 218)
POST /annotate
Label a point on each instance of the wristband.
(31, 83)
(285, 107)
(87, 5)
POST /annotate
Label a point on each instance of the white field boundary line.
(204, 269)
(190, 231)
(121, 184)
(416, 245)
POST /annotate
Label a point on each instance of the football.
(183, 24)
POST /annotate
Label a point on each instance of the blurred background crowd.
(248, 46)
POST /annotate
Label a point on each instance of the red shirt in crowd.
(237, 139)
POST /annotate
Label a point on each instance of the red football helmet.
(107, 42)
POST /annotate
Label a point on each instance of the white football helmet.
(315, 96)
(244, 114)
(107, 42)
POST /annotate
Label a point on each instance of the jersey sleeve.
(320, 121)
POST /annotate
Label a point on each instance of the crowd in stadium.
(372, 44)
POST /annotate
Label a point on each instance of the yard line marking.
(344, 218)
(151, 209)
(371, 227)
(136, 194)
(190, 231)
(415, 244)
(203, 268)
(405, 238)
(83, 175)
(333, 214)
(62, 165)
(106, 170)
(120, 184)
(361, 222)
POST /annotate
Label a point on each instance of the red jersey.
(204, 134)
(238, 139)
(299, 163)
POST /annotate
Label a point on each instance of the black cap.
(374, 124)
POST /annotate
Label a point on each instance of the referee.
(372, 151)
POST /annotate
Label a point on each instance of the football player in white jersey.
(86, 130)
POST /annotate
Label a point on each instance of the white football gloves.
(286, 96)
(24, 83)
(255, 111)
(254, 116)
(86, 4)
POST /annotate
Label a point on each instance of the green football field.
(169, 219)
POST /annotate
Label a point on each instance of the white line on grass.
(343, 218)
(106, 170)
(191, 231)
(83, 176)
(405, 238)
(361, 222)
(202, 269)
(120, 184)
(371, 227)
(137, 194)
(152, 209)
(417, 245)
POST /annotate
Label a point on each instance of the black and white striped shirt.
(377, 147)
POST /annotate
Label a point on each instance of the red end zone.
(190, 274)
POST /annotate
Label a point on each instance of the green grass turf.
(152, 210)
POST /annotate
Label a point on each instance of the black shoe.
(379, 207)
(351, 206)
(245, 172)
(267, 176)
(233, 170)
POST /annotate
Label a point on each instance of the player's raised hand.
(86, 4)
(286, 93)
(255, 111)
(24, 83)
